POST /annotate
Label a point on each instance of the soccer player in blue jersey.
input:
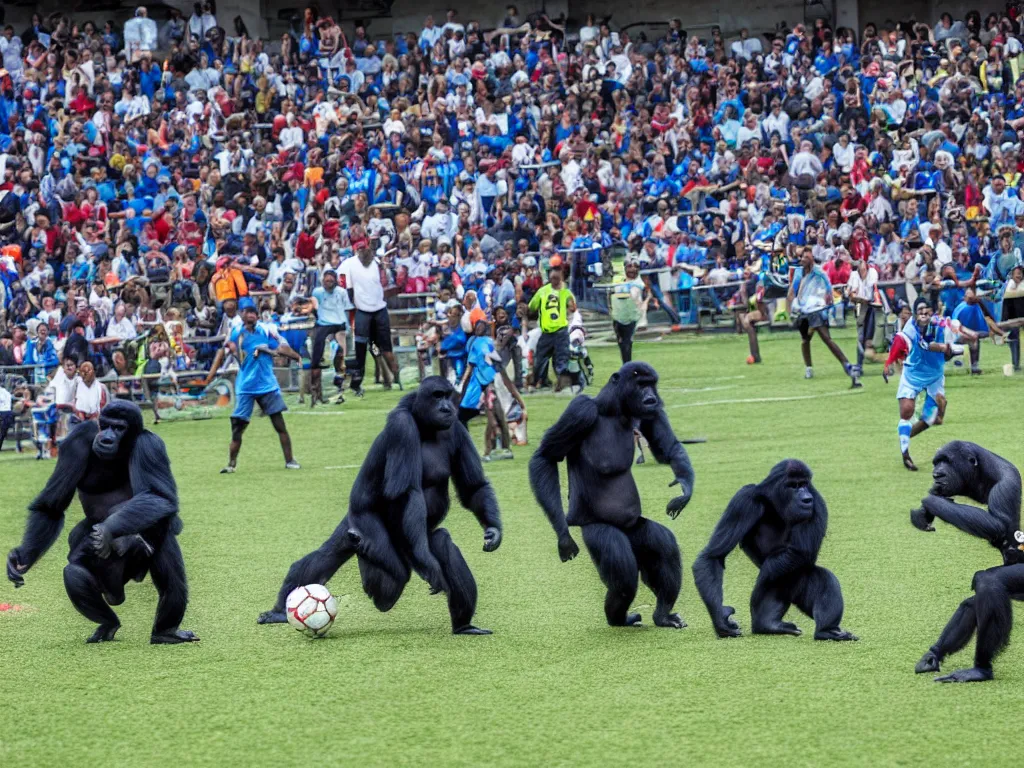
(925, 343)
(254, 344)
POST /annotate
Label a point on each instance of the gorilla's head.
(789, 489)
(636, 388)
(432, 405)
(955, 470)
(120, 423)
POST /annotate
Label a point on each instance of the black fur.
(595, 439)
(966, 469)
(990, 614)
(397, 505)
(124, 482)
(780, 524)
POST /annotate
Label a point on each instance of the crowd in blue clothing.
(174, 152)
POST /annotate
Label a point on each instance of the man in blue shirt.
(810, 301)
(254, 344)
(973, 315)
(332, 304)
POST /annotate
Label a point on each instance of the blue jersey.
(922, 367)
(971, 316)
(256, 372)
(480, 347)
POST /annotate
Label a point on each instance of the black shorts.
(374, 327)
(321, 335)
(807, 323)
(468, 414)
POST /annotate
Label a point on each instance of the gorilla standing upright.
(780, 524)
(123, 478)
(967, 469)
(595, 437)
(396, 507)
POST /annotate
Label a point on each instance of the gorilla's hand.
(567, 548)
(102, 541)
(492, 539)
(678, 504)
(15, 569)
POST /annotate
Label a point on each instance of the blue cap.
(245, 303)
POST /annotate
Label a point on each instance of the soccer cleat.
(909, 462)
(228, 470)
(293, 464)
(809, 373)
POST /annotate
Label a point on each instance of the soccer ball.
(311, 609)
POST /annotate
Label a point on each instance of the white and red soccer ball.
(311, 609)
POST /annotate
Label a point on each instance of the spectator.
(90, 394)
(550, 305)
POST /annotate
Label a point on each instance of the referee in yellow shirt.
(550, 305)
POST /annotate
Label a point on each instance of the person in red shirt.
(838, 268)
(860, 244)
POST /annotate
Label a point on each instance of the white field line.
(767, 399)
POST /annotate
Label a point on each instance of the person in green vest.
(550, 306)
(628, 305)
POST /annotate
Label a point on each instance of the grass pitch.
(554, 685)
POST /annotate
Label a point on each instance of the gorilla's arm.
(46, 512)
(155, 495)
(992, 525)
(802, 545)
(474, 490)
(561, 438)
(668, 450)
(743, 513)
(403, 456)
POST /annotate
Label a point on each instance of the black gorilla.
(397, 504)
(780, 524)
(966, 469)
(595, 437)
(124, 482)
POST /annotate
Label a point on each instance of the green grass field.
(554, 685)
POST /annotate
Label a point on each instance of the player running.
(924, 343)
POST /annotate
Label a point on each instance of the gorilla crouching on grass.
(123, 478)
(780, 524)
(967, 469)
(397, 505)
(595, 438)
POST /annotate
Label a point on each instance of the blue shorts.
(270, 403)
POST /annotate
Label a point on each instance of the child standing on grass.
(478, 391)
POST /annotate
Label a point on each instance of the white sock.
(904, 431)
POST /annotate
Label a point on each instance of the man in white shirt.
(140, 35)
(441, 224)
(64, 383)
(861, 288)
(943, 253)
(805, 162)
(746, 47)
(121, 327)
(291, 136)
(430, 34)
(361, 276)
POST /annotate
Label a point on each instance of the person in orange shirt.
(227, 282)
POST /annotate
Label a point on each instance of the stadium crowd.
(155, 175)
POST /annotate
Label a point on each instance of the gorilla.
(990, 613)
(124, 482)
(396, 507)
(966, 469)
(595, 438)
(780, 524)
